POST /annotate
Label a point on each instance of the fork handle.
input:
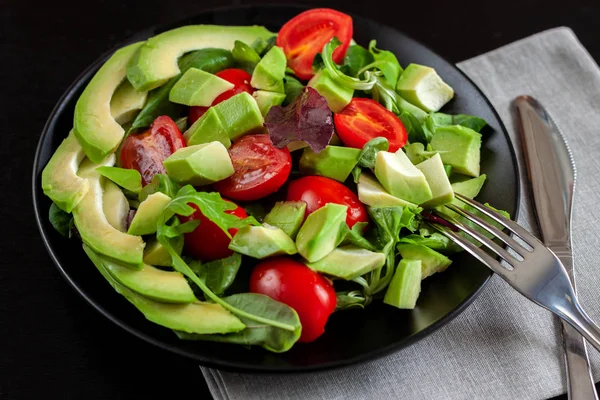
(579, 320)
(580, 382)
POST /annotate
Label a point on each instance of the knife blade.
(551, 172)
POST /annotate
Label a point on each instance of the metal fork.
(536, 273)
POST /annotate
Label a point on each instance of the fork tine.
(490, 244)
(501, 219)
(490, 228)
(475, 251)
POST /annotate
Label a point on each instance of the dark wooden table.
(52, 343)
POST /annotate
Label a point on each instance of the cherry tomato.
(316, 191)
(364, 119)
(303, 36)
(146, 151)
(241, 81)
(293, 283)
(260, 169)
(208, 242)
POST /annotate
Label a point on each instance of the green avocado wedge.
(197, 317)
(156, 60)
(94, 228)
(96, 129)
(59, 178)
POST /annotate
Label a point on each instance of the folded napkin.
(502, 346)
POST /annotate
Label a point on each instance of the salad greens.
(129, 179)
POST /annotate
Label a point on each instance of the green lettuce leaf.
(129, 179)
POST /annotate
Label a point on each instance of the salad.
(239, 185)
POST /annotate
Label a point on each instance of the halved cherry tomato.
(147, 151)
(316, 191)
(293, 283)
(303, 36)
(241, 81)
(260, 169)
(208, 242)
(364, 119)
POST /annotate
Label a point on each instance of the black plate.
(351, 336)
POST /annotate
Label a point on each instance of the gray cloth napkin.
(502, 346)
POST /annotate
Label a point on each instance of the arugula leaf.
(160, 183)
(356, 58)
(366, 158)
(129, 179)
(350, 299)
(60, 220)
(341, 78)
(308, 118)
(245, 56)
(387, 62)
(258, 334)
(218, 274)
(209, 60)
(292, 87)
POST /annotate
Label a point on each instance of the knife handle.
(580, 383)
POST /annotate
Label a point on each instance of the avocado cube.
(148, 213)
(156, 254)
(334, 162)
(198, 88)
(431, 260)
(470, 187)
(459, 147)
(239, 115)
(262, 242)
(200, 164)
(401, 178)
(270, 71)
(348, 262)
(337, 96)
(208, 128)
(423, 87)
(322, 232)
(405, 286)
(438, 181)
(288, 216)
(266, 100)
(371, 193)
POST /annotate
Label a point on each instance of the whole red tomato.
(208, 242)
(241, 81)
(146, 151)
(293, 283)
(316, 191)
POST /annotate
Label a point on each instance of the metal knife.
(551, 171)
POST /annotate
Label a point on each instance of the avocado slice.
(338, 96)
(93, 227)
(154, 283)
(156, 254)
(471, 187)
(459, 147)
(266, 100)
(198, 88)
(196, 317)
(59, 177)
(334, 162)
(262, 242)
(436, 176)
(126, 102)
(270, 70)
(208, 128)
(405, 286)
(287, 216)
(423, 87)
(371, 193)
(348, 262)
(148, 213)
(401, 178)
(431, 260)
(96, 129)
(322, 232)
(156, 61)
(200, 164)
(239, 115)
(115, 206)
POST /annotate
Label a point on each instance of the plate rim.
(226, 365)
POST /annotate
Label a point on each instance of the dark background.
(52, 343)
